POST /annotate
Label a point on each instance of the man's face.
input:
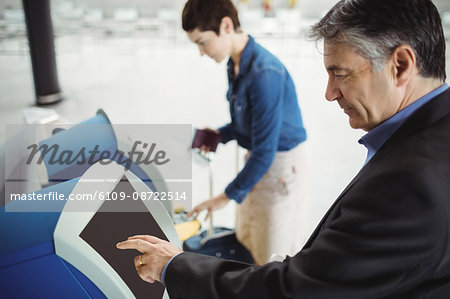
(366, 96)
(211, 44)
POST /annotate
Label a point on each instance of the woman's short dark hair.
(375, 28)
(208, 14)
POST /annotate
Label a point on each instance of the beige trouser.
(269, 219)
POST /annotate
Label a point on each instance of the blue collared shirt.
(376, 137)
(265, 115)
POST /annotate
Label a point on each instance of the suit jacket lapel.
(349, 186)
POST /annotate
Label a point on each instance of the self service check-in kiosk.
(63, 246)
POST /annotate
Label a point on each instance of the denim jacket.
(265, 115)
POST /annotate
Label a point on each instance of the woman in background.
(266, 120)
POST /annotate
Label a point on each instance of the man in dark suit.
(388, 233)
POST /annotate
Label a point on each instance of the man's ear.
(226, 25)
(404, 64)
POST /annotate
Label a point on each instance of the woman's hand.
(204, 148)
(211, 204)
(155, 255)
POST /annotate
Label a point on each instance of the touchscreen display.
(106, 228)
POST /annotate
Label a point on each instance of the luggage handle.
(209, 232)
(215, 236)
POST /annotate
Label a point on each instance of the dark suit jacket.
(386, 236)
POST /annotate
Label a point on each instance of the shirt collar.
(376, 137)
(244, 63)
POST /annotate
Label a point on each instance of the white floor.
(143, 79)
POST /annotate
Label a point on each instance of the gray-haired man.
(388, 233)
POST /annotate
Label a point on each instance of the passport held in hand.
(206, 137)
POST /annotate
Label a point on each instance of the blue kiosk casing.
(66, 248)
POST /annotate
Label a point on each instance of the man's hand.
(156, 254)
(211, 204)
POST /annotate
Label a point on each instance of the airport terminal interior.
(132, 59)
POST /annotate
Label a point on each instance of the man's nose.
(333, 91)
